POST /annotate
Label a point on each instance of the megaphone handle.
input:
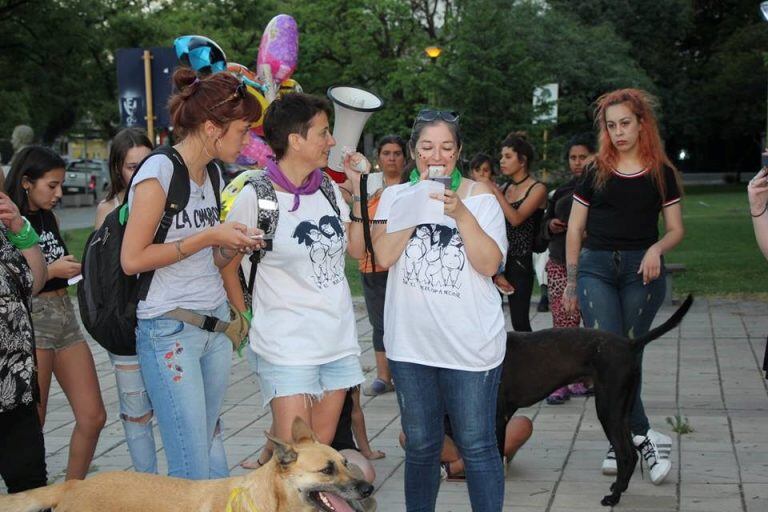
(366, 219)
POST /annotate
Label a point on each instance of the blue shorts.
(313, 380)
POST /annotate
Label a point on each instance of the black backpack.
(268, 216)
(106, 295)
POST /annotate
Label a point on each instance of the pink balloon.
(255, 152)
(279, 47)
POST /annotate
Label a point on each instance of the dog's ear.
(284, 453)
(301, 431)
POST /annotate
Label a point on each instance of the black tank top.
(520, 237)
(51, 244)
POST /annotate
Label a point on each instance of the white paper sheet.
(413, 206)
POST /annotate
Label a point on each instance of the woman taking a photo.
(617, 271)
(444, 329)
(186, 368)
(35, 184)
(521, 199)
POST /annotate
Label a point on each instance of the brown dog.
(302, 476)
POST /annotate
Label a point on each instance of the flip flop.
(378, 387)
(249, 464)
(451, 477)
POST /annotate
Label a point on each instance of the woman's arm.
(235, 292)
(516, 216)
(139, 254)
(389, 246)
(650, 266)
(757, 190)
(577, 223)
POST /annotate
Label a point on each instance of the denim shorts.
(313, 380)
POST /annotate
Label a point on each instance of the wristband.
(761, 213)
(355, 218)
(248, 315)
(25, 238)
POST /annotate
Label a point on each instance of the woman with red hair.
(615, 272)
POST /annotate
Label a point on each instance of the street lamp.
(433, 52)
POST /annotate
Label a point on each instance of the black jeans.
(22, 451)
(518, 270)
(374, 290)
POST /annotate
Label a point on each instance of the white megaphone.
(351, 107)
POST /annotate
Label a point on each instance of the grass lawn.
(719, 249)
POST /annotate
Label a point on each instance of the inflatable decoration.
(256, 152)
(278, 53)
(201, 54)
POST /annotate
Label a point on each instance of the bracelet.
(355, 218)
(759, 214)
(25, 238)
(179, 253)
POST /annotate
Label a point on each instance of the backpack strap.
(175, 201)
(269, 213)
(326, 187)
(214, 174)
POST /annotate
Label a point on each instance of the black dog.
(538, 363)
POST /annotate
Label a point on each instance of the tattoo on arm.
(571, 270)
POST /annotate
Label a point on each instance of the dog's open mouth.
(330, 502)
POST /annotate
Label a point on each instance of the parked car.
(87, 177)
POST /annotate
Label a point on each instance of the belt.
(204, 322)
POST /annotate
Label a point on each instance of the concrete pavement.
(706, 371)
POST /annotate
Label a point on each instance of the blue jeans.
(612, 297)
(186, 371)
(425, 394)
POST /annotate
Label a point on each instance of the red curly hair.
(650, 147)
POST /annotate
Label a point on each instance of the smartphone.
(260, 237)
(445, 180)
(764, 160)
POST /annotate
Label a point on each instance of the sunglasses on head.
(239, 94)
(429, 115)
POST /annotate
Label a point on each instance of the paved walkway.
(707, 371)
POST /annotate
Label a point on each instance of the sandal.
(504, 287)
(374, 454)
(378, 387)
(249, 464)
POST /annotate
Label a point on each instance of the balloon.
(230, 192)
(200, 53)
(279, 49)
(288, 86)
(256, 93)
(239, 69)
(255, 152)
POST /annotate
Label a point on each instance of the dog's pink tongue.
(338, 504)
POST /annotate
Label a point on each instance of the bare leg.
(382, 367)
(519, 430)
(264, 456)
(44, 376)
(75, 371)
(358, 427)
(322, 416)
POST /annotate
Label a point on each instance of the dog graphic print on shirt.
(325, 243)
(434, 257)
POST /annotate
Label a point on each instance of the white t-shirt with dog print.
(302, 305)
(439, 311)
(195, 281)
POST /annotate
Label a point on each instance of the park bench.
(672, 269)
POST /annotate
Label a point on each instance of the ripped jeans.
(136, 416)
(612, 297)
(425, 395)
(186, 371)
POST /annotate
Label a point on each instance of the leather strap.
(206, 323)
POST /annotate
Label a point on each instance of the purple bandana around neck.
(310, 185)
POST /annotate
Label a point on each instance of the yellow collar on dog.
(237, 494)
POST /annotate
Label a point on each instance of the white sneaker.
(663, 443)
(609, 463)
(658, 467)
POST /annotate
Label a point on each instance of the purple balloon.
(255, 152)
(279, 47)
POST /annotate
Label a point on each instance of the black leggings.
(518, 270)
(22, 452)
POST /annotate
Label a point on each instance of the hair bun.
(183, 77)
(520, 134)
